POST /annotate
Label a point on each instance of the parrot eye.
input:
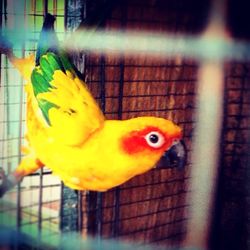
(155, 139)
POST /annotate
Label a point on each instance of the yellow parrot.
(67, 131)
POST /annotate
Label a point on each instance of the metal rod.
(61, 214)
(99, 215)
(79, 211)
(158, 45)
(103, 79)
(206, 143)
(205, 152)
(45, 8)
(99, 196)
(40, 190)
(65, 14)
(71, 203)
(18, 201)
(1, 86)
(19, 215)
(115, 229)
(54, 7)
(40, 202)
(121, 87)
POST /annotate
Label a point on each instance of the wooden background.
(153, 207)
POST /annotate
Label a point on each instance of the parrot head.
(147, 142)
(157, 139)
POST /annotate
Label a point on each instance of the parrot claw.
(5, 183)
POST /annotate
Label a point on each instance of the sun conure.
(67, 131)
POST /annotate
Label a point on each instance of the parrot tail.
(48, 41)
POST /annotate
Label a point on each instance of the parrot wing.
(67, 106)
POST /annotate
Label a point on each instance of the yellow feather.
(24, 65)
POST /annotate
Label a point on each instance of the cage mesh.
(232, 206)
(151, 208)
(33, 207)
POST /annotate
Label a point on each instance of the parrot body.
(67, 132)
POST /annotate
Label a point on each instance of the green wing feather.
(49, 58)
(42, 76)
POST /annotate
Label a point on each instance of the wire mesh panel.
(34, 206)
(151, 207)
(232, 196)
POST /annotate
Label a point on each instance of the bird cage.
(202, 84)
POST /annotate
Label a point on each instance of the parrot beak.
(174, 157)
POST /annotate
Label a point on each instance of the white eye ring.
(155, 139)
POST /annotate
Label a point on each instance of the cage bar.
(71, 210)
(161, 76)
(209, 124)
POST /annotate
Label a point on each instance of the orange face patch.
(136, 141)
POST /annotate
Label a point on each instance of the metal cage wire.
(160, 214)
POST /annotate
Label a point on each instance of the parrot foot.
(5, 183)
(5, 46)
